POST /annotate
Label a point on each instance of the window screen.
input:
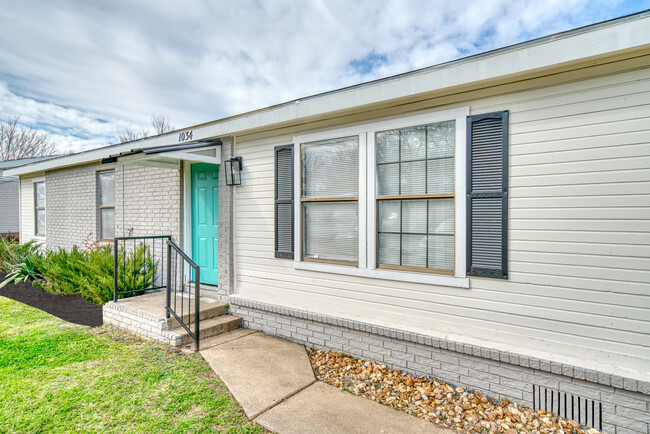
(329, 194)
(415, 197)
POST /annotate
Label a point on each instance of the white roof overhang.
(169, 157)
(621, 36)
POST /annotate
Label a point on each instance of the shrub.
(89, 272)
(136, 270)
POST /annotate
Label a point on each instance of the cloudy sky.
(81, 70)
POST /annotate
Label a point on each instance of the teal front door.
(205, 221)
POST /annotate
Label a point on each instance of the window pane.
(413, 143)
(388, 249)
(388, 179)
(441, 216)
(414, 216)
(40, 222)
(413, 178)
(441, 139)
(424, 165)
(387, 146)
(389, 216)
(107, 189)
(39, 192)
(441, 252)
(414, 251)
(440, 176)
(108, 223)
(331, 231)
(330, 168)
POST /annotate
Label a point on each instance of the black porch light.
(233, 171)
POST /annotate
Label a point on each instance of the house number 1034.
(185, 136)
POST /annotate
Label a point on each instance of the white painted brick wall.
(225, 228)
(498, 374)
(149, 200)
(150, 326)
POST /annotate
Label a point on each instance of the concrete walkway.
(273, 381)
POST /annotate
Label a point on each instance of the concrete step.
(210, 327)
(224, 338)
(207, 311)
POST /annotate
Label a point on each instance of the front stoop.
(145, 316)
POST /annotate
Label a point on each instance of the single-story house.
(485, 220)
(10, 198)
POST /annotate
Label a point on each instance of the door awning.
(170, 156)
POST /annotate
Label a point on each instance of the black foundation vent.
(586, 412)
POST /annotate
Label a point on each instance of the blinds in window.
(416, 232)
(487, 195)
(330, 168)
(284, 202)
(330, 188)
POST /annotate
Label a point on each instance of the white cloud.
(82, 69)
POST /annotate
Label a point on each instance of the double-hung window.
(329, 200)
(106, 205)
(385, 200)
(39, 208)
(415, 197)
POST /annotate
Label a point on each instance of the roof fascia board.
(570, 49)
(72, 160)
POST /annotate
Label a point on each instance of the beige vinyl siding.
(579, 235)
(27, 224)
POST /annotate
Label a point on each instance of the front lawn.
(60, 377)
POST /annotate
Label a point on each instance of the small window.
(330, 189)
(39, 208)
(107, 205)
(415, 197)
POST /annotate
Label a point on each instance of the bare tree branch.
(161, 124)
(129, 134)
(17, 142)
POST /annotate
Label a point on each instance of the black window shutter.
(284, 202)
(487, 195)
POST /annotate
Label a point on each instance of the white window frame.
(368, 199)
(34, 182)
(100, 206)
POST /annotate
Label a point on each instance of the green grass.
(60, 377)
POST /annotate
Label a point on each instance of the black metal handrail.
(179, 284)
(138, 265)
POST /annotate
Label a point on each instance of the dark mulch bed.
(71, 308)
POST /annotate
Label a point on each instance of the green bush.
(77, 272)
(89, 273)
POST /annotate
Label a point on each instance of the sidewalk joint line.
(280, 401)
